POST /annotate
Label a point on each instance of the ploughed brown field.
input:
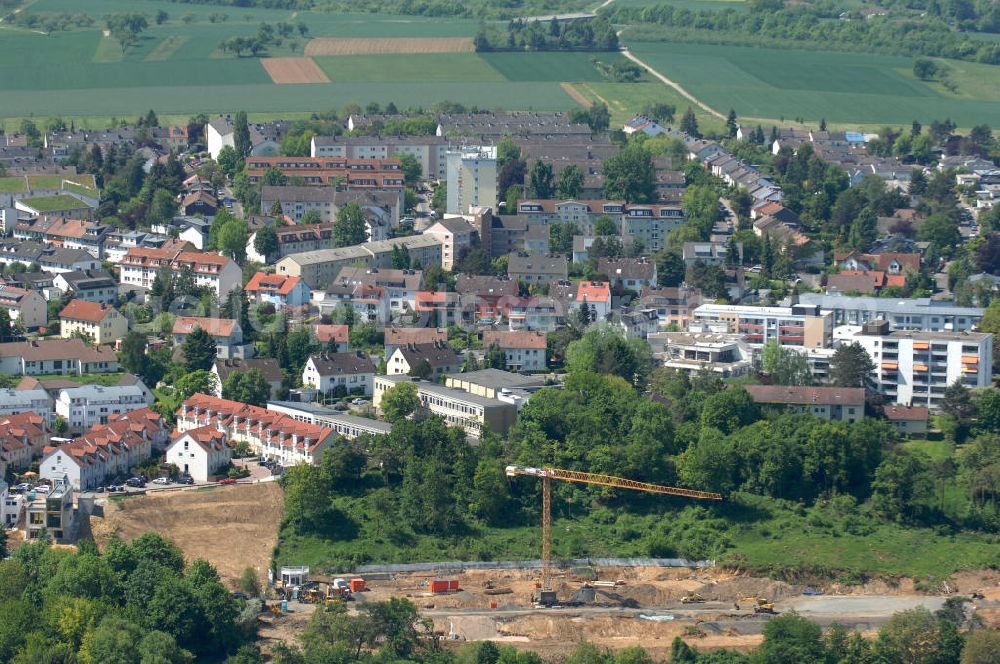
(285, 71)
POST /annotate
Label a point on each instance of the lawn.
(52, 203)
(841, 87)
(12, 184)
(56, 181)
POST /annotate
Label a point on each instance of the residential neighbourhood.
(403, 316)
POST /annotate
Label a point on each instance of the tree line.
(809, 26)
(579, 35)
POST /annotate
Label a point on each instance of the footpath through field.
(676, 86)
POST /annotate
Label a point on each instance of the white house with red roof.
(100, 322)
(278, 289)
(276, 436)
(523, 350)
(332, 335)
(226, 332)
(597, 296)
(200, 452)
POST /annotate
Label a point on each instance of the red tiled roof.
(217, 327)
(805, 396)
(515, 339)
(900, 413)
(92, 312)
(272, 283)
(593, 291)
(400, 336)
(324, 333)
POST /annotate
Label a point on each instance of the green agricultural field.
(550, 66)
(272, 100)
(402, 68)
(841, 87)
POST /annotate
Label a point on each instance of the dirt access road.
(676, 86)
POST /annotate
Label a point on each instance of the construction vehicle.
(693, 598)
(545, 595)
(760, 604)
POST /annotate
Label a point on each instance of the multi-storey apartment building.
(344, 173)
(99, 322)
(319, 268)
(55, 357)
(472, 178)
(220, 273)
(88, 405)
(429, 151)
(919, 314)
(456, 407)
(800, 325)
(915, 368)
(649, 223)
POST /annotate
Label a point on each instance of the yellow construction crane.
(549, 474)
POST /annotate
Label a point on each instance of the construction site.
(621, 607)
(544, 606)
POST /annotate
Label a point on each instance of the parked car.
(115, 488)
(228, 480)
(23, 487)
(359, 402)
(43, 488)
(161, 480)
(99, 489)
(187, 479)
(135, 482)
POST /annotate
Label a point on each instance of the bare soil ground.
(285, 71)
(576, 95)
(232, 527)
(369, 46)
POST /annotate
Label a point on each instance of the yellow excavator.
(760, 604)
(693, 598)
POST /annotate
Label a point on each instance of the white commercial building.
(923, 314)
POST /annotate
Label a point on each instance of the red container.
(443, 585)
(357, 585)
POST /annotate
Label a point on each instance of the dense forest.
(580, 35)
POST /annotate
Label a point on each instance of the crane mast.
(547, 474)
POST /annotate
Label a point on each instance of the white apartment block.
(456, 407)
(36, 401)
(799, 326)
(429, 151)
(83, 407)
(915, 368)
(472, 178)
(220, 273)
(917, 314)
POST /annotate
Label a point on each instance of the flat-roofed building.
(800, 325)
(348, 426)
(495, 383)
(456, 407)
(920, 314)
